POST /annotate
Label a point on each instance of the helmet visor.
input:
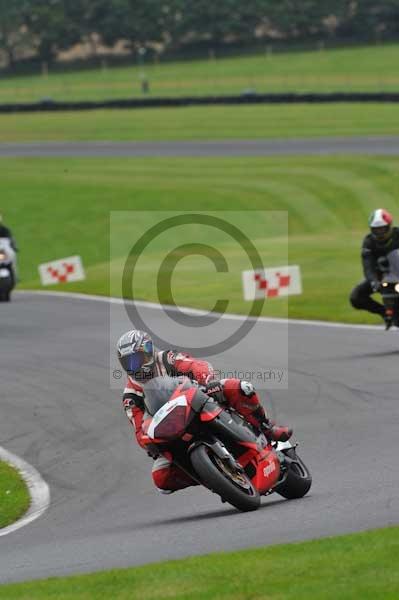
(381, 233)
(141, 358)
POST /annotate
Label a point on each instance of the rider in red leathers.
(142, 362)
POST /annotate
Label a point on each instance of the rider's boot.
(168, 477)
(276, 433)
(281, 434)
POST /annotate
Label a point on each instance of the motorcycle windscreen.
(171, 420)
(158, 391)
(393, 274)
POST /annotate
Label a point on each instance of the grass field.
(204, 123)
(349, 567)
(14, 496)
(372, 68)
(60, 207)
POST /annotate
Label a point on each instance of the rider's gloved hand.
(152, 451)
(375, 286)
(266, 426)
(214, 389)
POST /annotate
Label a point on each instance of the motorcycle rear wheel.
(234, 488)
(298, 480)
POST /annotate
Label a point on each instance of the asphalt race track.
(376, 145)
(59, 413)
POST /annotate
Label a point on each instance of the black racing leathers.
(6, 233)
(371, 252)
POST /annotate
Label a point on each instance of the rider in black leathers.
(382, 239)
(5, 232)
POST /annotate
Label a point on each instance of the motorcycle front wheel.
(298, 479)
(232, 485)
(5, 296)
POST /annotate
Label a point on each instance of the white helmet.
(380, 223)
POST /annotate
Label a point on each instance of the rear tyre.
(298, 480)
(233, 487)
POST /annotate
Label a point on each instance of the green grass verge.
(204, 123)
(14, 495)
(351, 567)
(60, 207)
(372, 68)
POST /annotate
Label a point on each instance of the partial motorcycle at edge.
(389, 267)
(7, 271)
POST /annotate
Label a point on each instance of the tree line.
(43, 28)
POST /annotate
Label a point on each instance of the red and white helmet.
(380, 223)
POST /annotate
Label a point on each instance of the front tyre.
(5, 294)
(232, 486)
(298, 480)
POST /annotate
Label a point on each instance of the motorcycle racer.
(5, 233)
(7, 243)
(382, 239)
(142, 362)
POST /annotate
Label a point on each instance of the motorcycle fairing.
(261, 464)
(267, 471)
(231, 429)
(210, 411)
(170, 420)
(257, 457)
(175, 415)
(144, 428)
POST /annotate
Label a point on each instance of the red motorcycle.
(217, 447)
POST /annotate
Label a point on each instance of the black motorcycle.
(7, 280)
(389, 268)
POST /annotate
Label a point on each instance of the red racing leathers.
(237, 394)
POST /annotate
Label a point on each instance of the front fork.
(219, 450)
(390, 299)
(285, 460)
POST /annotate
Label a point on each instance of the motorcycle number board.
(273, 282)
(63, 270)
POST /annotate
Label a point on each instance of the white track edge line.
(38, 489)
(196, 311)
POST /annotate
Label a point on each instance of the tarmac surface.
(60, 413)
(376, 145)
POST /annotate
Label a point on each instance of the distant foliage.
(42, 28)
